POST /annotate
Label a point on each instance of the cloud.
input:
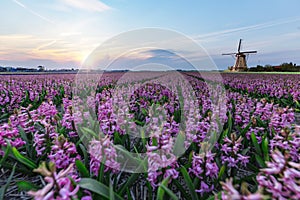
(33, 12)
(19, 3)
(67, 34)
(248, 28)
(87, 5)
(151, 58)
(44, 46)
(14, 36)
(27, 47)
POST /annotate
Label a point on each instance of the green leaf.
(129, 196)
(246, 129)
(261, 123)
(26, 186)
(163, 188)
(111, 191)
(189, 183)
(230, 123)
(101, 169)
(285, 102)
(88, 131)
(181, 189)
(97, 187)
(196, 181)
(245, 151)
(144, 111)
(144, 140)
(223, 134)
(265, 148)
(82, 169)
(130, 181)
(23, 159)
(117, 138)
(128, 155)
(221, 172)
(139, 122)
(260, 161)
(179, 147)
(177, 116)
(25, 101)
(160, 191)
(255, 143)
(4, 116)
(154, 141)
(253, 167)
(6, 153)
(170, 193)
(85, 156)
(4, 187)
(24, 137)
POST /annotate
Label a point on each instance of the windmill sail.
(240, 58)
(239, 47)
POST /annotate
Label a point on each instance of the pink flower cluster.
(231, 193)
(102, 151)
(10, 134)
(70, 118)
(59, 185)
(63, 153)
(206, 169)
(281, 177)
(231, 152)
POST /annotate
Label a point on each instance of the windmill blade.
(228, 54)
(239, 47)
(248, 52)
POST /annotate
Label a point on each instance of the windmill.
(240, 61)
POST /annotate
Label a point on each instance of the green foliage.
(26, 186)
(82, 169)
(4, 187)
(189, 183)
(163, 188)
(131, 180)
(23, 159)
(7, 150)
(98, 188)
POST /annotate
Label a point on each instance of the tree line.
(284, 67)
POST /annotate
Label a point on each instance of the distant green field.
(262, 72)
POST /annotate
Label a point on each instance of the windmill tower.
(240, 58)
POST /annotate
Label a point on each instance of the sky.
(64, 33)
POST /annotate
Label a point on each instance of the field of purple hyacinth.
(150, 135)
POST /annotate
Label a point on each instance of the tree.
(41, 68)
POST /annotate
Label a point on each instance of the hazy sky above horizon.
(62, 33)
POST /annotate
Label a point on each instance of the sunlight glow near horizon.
(62, 33)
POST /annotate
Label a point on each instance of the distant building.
(40, 68)
(277, 68)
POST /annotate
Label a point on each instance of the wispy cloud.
(21, 47)
(248, 28)
(33, 12)
(87, 5)
(41, 47)
(14, 36)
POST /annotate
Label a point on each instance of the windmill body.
(240, 58)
